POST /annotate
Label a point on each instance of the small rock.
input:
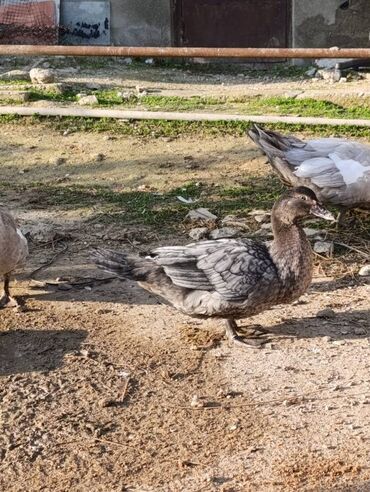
(149, 61)
(266, 227)
(106, 402)
(258, 212)
(58, 161)
(84, 353)
(310, 232)
(109, 137)
(324, 247)
(331, 75)
(339, 342)
(327, 339)
(192, 165)
(66, 133)
(98, 157)
(195, 402)
(223, 232)
(65, 287)
(236, 222)
(263, 218)
(200, 214)
(198, 233)
(42, 75)
(292, 94)
(290, 402)
(311, 72)
(260, 216)
(103, 311)
(125, 96)
(127, 61)
(360, 331)
(92, 86)
(365, 271)
(86, 100)
(326, 313)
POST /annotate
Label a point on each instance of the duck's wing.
(230, 267)
(340, 168)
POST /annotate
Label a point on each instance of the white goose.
(13, 251)
(336, 169)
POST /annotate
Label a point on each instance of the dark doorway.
(232, 23)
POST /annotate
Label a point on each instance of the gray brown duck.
(229, 278)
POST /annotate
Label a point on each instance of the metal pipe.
(171, 116)
(171, 52)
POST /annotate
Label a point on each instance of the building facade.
(218, 23)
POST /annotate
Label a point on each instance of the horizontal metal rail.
(172, 52)
(173, 116)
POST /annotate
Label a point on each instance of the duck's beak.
(321, 212)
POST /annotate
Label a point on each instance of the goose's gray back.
(339, 169)
(13, 245)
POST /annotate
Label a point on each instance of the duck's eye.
(303, 197)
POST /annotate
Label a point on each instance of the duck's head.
(298, 203)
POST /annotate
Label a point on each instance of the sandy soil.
(235, 81)
(104, 389)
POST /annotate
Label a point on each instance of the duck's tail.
(270, 142)
(275, 146)
(123, 265)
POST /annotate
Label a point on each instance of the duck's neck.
(292, 255)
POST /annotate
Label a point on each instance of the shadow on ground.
(342, 326)
(36, 350)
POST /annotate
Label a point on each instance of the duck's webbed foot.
(6, 300)
(235, 339)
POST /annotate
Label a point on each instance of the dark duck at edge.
(229, 278)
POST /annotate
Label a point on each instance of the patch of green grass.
(154, 209)
(48, 95)
(14, 82)
(307, 107)
(164, 128)
(175, 103)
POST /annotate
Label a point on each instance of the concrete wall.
(326, 23)
(141, 22)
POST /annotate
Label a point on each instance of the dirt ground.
(103, 388)
(233, 81)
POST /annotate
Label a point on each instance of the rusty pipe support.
(172, 52)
